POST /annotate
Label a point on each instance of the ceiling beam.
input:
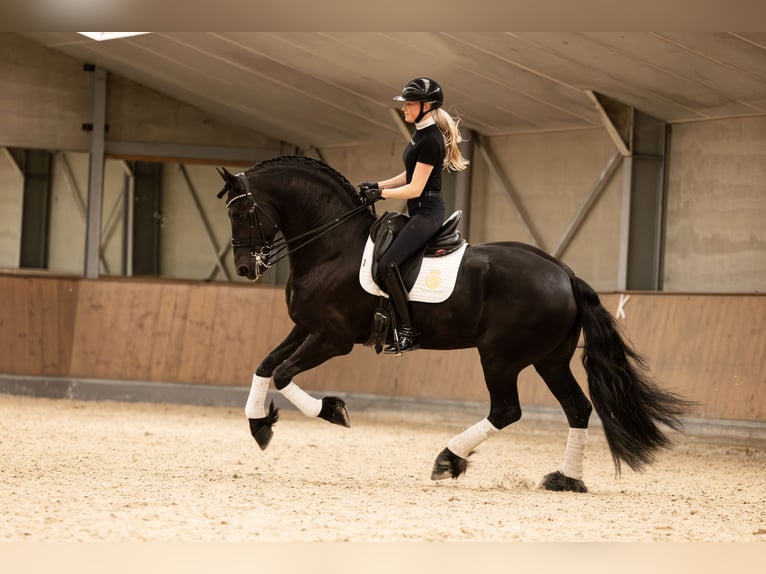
(184, 153)
(617, 119)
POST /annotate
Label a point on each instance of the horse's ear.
(226, 174)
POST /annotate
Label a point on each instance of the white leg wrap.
(307, 404)
(574, 453)
(469, 439)
(255, 407)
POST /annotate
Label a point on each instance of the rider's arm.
(396, 181)
(408, 190)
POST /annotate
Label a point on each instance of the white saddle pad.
(435, 281)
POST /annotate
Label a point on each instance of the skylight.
(101, 36)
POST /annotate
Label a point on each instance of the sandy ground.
(126, 472)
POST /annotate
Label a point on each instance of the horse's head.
(252, 230)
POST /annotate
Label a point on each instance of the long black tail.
(629, 403)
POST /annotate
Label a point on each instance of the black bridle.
(267, 253)
(261, 255)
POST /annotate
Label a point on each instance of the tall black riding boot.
(406, 335)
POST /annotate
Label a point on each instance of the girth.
(383, 232)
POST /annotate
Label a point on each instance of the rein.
(271, 253)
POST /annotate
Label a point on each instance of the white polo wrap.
(574, 453)
(469, 439)
(307, 404)
(255, 407)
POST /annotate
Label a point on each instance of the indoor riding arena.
(128, 341)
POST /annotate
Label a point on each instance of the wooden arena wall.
(709, 348)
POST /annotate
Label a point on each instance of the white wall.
(67, 224)
(553, 174)
(185, 249)
(45, 97)
(11, 188)
(716, 228)
(370, 163)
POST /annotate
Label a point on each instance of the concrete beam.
(183, 153)
(95, 173)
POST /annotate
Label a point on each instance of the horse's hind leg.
(577, 409)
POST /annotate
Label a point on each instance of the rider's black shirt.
(425, 146)
(427, 211)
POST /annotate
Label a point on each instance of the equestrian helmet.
(422, 90)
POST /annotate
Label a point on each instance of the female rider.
(432, 148)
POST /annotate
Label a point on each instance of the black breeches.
(419, 229)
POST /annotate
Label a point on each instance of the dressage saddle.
(383, 232)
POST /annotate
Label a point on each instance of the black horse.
(516, 304)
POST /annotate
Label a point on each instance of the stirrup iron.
(405, 339)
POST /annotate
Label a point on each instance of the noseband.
(270, 252)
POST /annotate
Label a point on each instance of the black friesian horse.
(516, 304)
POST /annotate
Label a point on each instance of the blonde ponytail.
(454, 160)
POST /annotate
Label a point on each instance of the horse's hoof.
(334, 410)
(558, 482)
(448, 465)
(262, 433)
(261, 428)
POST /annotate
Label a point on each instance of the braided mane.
(311, 164)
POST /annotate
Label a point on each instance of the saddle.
(383, 232)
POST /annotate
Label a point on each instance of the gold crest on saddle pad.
(433, 280)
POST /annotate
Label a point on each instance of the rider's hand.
(370, 192)
(368, 185)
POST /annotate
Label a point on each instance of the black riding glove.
(370, 192)
(368, 185)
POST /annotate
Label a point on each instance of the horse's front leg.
(315, 350)
(261, 422)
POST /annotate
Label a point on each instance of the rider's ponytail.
(454, 160)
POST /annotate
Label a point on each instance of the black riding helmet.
(423, 90)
